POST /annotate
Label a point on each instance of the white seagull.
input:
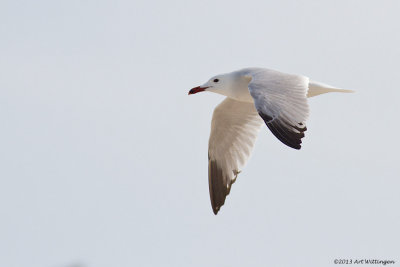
(253, 96)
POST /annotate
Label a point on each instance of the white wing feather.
(234, 129)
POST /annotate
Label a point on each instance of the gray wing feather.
(281, 101)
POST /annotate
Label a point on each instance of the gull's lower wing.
(234, 129)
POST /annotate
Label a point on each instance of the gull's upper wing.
(281, 100)
(234, 129)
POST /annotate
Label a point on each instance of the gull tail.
(317, 88)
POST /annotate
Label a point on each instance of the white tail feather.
(317, 88)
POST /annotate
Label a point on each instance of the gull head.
(220, 84)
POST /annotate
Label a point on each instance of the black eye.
(216, 80)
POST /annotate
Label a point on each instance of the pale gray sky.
(104, 156)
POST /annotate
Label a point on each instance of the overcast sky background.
(103, 156)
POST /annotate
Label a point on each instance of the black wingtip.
(215, 210)
(285, 132)
(219, 185)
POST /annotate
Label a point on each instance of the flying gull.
(253, 96)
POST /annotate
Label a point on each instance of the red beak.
(196, 90)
